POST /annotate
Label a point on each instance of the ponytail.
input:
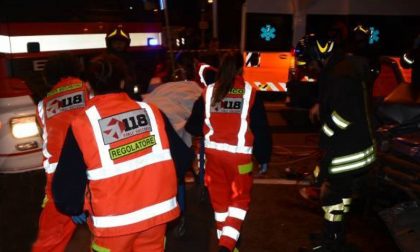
(231, 65)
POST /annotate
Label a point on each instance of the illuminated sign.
(374, 35)
(268, 32)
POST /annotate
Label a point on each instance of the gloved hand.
(79, 219)
(263, 168)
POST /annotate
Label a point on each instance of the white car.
(20, 141)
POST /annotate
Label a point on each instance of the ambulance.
(271, 29)
(29, 35)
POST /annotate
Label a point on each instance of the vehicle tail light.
(23, 127)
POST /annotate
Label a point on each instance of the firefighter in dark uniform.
(117, 43)
(346, 137)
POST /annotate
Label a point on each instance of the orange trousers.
(228, 178)
(150, 240)
(55, 230)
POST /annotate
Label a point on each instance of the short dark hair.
(105, 74)
(61, 66)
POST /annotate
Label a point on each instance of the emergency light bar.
(67, 42)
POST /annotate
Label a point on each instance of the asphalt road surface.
(278, 219)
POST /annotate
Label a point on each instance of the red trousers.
(150, 240)
(55, 230)
(229, 182)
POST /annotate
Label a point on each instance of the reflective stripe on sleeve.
(339, 121)
(136, 216)
(327, 130)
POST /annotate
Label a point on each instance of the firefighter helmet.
(359, 41)
(361, 34)
(117, 34)
(312, 47)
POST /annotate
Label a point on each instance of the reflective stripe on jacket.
(201, 78)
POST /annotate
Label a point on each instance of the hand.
(79, 219)
(263, 169)
(314, 113)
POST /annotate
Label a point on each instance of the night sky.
(188, 12)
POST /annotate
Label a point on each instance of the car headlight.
(24, 127)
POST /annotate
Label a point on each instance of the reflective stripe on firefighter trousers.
(354, 161)
(333, 217)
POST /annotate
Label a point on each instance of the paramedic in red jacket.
(67, 97)
(232, 118)
(118, 164)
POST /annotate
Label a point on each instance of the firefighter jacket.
(130, 170)
(54, 114)
(346, 134)
(205, 74)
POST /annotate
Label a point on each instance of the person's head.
(231, 65)
(359, 40)
(61, 66)
(117, 40)
(337, 32)
(106, 74)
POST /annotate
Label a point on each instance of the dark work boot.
(331, 239)
(223, 249)
(325, 246)
(180, 229)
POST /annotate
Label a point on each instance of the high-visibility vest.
(55, 112)
(226, 125)
(132, 180)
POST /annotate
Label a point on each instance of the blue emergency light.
(152, 42)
